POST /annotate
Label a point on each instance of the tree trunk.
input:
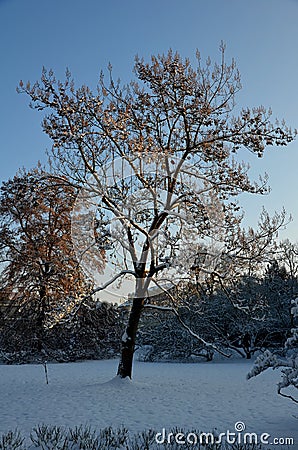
(129, 339)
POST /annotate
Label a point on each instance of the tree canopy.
(40, 272)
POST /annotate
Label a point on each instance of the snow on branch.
(184, 325)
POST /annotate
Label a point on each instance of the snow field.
(201, 396)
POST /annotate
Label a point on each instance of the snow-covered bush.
(49, 438)
(91, 332)
(82, 437)
(289, 364)
(12, 441)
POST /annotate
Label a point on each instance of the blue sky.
(262, 36)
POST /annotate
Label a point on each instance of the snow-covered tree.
(289, 381)
(229, 317)
(41, 277)
(155, 158)
(92, 331)
(287, 256)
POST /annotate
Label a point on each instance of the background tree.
(177, 180)
(92, 330)
(280, 286)
(287, 256)
(247, 311)
(41, 276)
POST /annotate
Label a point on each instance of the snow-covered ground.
(203, 396)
